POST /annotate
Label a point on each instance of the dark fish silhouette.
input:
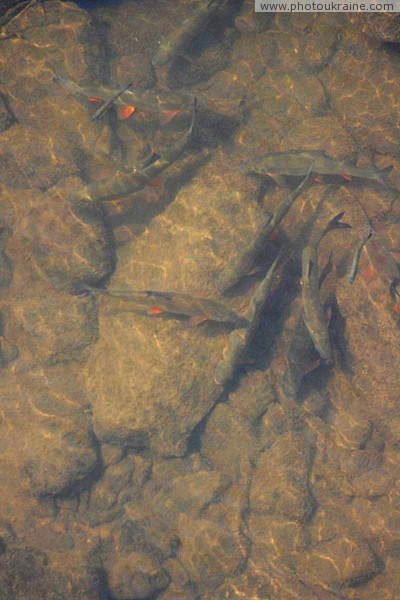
(107, 105)
(297, 162)
(301, 349)
(145, 100)
(241, 338)
(174, 303)
(314, 313)
(243, 262)
(123, 183)
(174, 45)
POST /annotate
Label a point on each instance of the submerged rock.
(136, 576)
(151, 379)
(107, 496)
(361, 83)
(248, 21)
(49, 227)
(52, 329)
(57, 453)
(279, 488)
(383, 27)
(209, 552)
(339, 562)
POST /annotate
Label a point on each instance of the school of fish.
(311, 335)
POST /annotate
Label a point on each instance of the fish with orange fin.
(241, 338)
(108, 104)
(244, 261)
(123, 183)
(282, 165)
(124, 112)
(152, 302)
(313, 311)
(146, 100)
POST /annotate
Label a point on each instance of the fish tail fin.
(195, 110)
(88, 290)
(336, 223)
(381, 177)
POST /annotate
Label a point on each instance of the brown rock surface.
(279, 486)
(49, 227)
(46, 413)
(135, 576)
(176, 363)
(125, 469)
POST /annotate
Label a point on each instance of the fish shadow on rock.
(195, 64)
(262, 263)
(340, 347)
(391, 48)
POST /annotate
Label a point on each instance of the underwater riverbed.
(199, 302)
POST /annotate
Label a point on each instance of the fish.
(244, 261)
(301, 349)
(240, 338)
(356, 259)
(174, 44)
(108, 104)
(123, 183)
(296, 164)
(314, 314)
(157, 302)
(152, 101)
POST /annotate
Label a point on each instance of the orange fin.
(317, 179)
(154, 310)
(273, 235)
(194, 321)
(124, 112)
(94, 99)
(369, 274)
(346, 177)
(168, 115)
(397, 308)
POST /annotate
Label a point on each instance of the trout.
(297, 162)
(242, 263)
(314, 314)
(123, 183)
(174, 303)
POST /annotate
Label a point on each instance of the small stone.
(280, 482)
(135, 576)
(340, 562)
